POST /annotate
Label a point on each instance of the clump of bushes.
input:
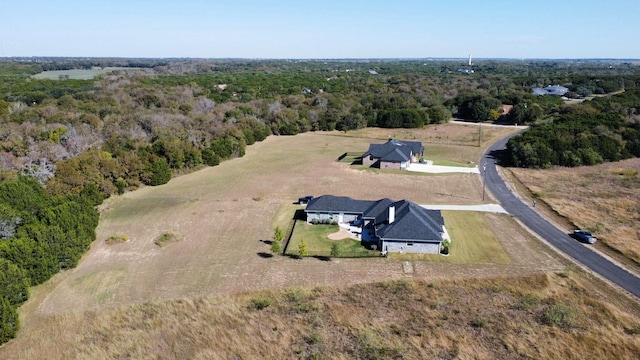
(260, 303)
(116, 239)
(444, 250)
(560, 315)
(324, 222)
(166, 239)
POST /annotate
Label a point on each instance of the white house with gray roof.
(393, 226)
(394, 154)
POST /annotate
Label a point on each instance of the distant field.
(77, 74)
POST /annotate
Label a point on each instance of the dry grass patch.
(603, 198)
(541, 317)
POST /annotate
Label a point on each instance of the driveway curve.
(554, 236)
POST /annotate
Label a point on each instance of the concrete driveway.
(439, 169)
(494, 208)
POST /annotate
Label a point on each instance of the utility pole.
(484, 179)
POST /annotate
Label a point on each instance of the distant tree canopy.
(478, 107)
(574, 139)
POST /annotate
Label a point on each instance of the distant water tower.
(470, 63)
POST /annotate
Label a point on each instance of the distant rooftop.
(555, 90)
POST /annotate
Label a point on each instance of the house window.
(409, 244)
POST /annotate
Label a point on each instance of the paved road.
(559, 239)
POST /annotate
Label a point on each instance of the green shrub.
(278, 235)
(335, 250)
(9, 322)
(302, 248)
(160, 172)
(560, 315)
(275, 247)
(117, 238)
(479, 323)
(260, 303)
(166, 239)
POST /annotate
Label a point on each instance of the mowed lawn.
(223, 216)
(316, 238)
(472, 241)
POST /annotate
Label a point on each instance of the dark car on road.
(584, 236)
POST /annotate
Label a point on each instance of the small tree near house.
(278, 235)
(277, 238)
(302, 249)
(335, 250)
(275, 247)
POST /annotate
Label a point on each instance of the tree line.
(40, 234)
(601, 130)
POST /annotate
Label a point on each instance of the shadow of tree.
(501, 157)
(322, 258)
(265, 255)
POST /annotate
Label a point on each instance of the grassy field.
(221, 214)
(222, 217)
(545, 316)
(77, 74)
(603, 198)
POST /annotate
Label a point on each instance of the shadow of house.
(387, 225)
(394, 154)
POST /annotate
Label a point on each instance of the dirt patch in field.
(223, 229)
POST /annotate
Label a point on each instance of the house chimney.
(392, 214)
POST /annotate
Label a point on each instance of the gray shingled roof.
(395, 150)
(379, 208)
(412, 222)
(330, 203)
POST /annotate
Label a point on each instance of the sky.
(517, 29)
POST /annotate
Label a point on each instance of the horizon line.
(317, 58)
